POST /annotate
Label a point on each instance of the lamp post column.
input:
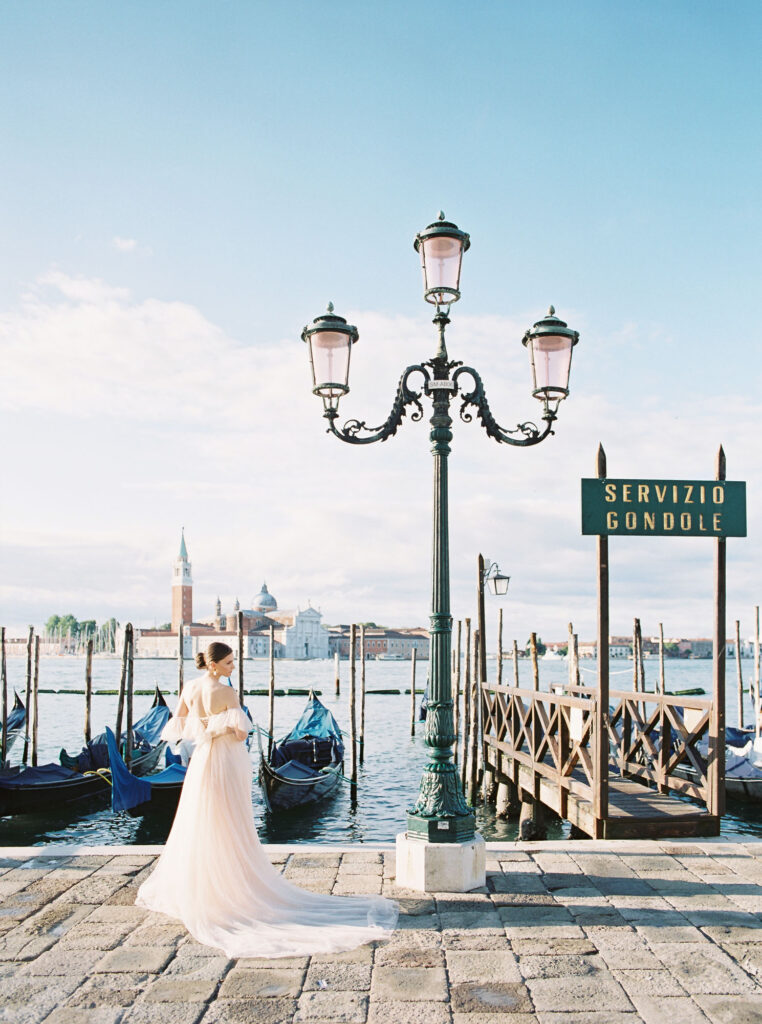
(441, 813)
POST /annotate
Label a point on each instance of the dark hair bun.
(200, 660)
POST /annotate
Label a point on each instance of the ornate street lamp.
(330, 339)
(441, 815)
(495, 580)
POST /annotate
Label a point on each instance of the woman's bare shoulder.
(220, 697)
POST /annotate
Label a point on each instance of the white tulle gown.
(216, 878)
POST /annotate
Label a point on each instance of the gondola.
(14, 726)
(146, 736)
(306, 765)
(133, 794)
(743, 771)
(26, 790)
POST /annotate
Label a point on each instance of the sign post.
(664, 508)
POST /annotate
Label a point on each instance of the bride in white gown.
(214, 874)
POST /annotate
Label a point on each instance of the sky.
(184, 185)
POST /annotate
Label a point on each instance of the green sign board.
(664, 508)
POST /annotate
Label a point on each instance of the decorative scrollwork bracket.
(358, 432)
(529, 433)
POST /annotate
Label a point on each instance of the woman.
(214, 874)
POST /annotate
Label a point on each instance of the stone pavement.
(564, 933)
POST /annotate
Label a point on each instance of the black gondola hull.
(285, 794)
(50, 796)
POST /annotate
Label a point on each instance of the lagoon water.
(388, 780)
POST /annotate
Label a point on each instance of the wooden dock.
(547, 745)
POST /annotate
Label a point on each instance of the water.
(387, 781)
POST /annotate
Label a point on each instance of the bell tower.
(182, 588)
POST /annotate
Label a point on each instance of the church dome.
(264, 601)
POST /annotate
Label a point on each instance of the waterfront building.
(384, 644)
(296, 634)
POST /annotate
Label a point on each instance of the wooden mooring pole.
(739, 674)
(466, 706)
(473, 736)
(180, 660)
(515, 663)
(352, 699)
(240, 658)
(481, 683)
(412, 691)
(575, 650)
(362, 694)
(122, 685)
(271, 697)
(130, 691)
(601, 731)
(716, 764)
(662, 680)
(535, 666)
(499, 646)
(641, 662)
(35, 700)
(88, 690)
(336, 673)
(28, 693)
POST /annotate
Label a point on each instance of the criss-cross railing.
(659, 739)
(548, 733)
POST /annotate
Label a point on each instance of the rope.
(619, 672)
(102, 773)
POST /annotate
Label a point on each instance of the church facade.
(296, 634)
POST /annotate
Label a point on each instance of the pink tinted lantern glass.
(330, 362)
(441, 260)
(551, 363)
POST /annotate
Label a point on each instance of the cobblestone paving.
(563, 933)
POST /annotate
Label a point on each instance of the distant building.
(620, 647)
(182, 588)
(384, 644)
(297, 635)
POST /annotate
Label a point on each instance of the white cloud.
(140, 415)
(124, 244)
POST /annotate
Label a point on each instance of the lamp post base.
(445, 828)
(441, 867)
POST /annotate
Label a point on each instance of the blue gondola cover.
(42, 775)
(150, 725)
(146, 733)
(126, 790)
(316, 727)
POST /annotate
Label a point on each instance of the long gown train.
(216, 878)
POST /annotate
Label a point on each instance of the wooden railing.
(548, 733)
(652, 737)
(553, 736)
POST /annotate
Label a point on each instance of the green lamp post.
(440, 814)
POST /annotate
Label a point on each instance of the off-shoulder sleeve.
(233, 719)
(174, 729)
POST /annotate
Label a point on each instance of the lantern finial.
(551, 310)
(440, 215)
(329, 307)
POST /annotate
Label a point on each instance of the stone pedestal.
(440, 867)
